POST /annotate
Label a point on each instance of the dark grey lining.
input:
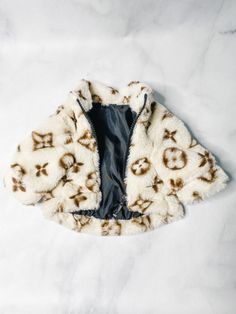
(112, 125)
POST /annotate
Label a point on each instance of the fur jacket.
(112, 162)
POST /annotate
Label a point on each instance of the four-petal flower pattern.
(41, 170)
(174, 158)
(87, 140)
(140, 166)
(42, 140)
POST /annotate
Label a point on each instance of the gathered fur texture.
(57, 165)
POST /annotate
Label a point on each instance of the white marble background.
(184, 49)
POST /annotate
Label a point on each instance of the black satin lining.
(112, 125)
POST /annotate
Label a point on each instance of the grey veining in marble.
(186, 51)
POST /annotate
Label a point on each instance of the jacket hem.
(113, 227)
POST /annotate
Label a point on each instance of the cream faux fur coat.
(112, 162)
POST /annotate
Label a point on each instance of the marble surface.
(186, 51)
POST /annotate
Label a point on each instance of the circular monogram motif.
(140, 166)
(174, 158)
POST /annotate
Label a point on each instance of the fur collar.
(132, 94)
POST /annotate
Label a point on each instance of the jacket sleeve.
(35, 167)
(190, 170)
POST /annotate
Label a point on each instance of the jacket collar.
(87, 92)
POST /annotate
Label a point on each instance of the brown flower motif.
(176, 185)
(74, 119)
(65, 180)
(133, 83)
(174, 158)
(69, 138)
(18, 169)
(210, 176)
(17, 185)
(80, 94)
(47, 195)
(140, 204)
(144, 222)
(81, 221)
(91, 182)
(144, 118)
(155, 184)
(59, 109)
(197, 196)
(205, 158)
(88, 141)
(167, 218)
(168, 135)
(60, 208)
(140, 166)
(41, 170)
(114, 91)
(167, 114)
(42, 140)
(111, 227)
(76, 166)
(193, 143)
(67, 160)
(126, 99)
(78, 197)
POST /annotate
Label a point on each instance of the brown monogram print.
(69, 138)
(59, 109)
(60, 208)
(197, 196)
(65, 180)
(96, 98)
(193, 143)
(141, 89)
(205, 158)
(167, 218)
(167, 114)
(17, 185)
(140, 166)
(110, 227)
(113, 90)
(41, 170)
(143, 222)
(126, 99)
(155, 184)
(168, 135)
(133, 82)
(140, 204)
(78, 197)
(144, 119)
(42, 140)
(174, 158)
(74, 119)
(19, 169)
(91, 182)
(47, 195)
(88, 141)
(76, 166)
(67, 160)
(210, 176)
(81, 221)
(146, 116)
(176, 185)
(79, 92)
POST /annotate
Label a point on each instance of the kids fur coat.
(112, 162)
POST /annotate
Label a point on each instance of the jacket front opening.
(112, 125)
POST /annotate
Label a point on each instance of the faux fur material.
(57, 165)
